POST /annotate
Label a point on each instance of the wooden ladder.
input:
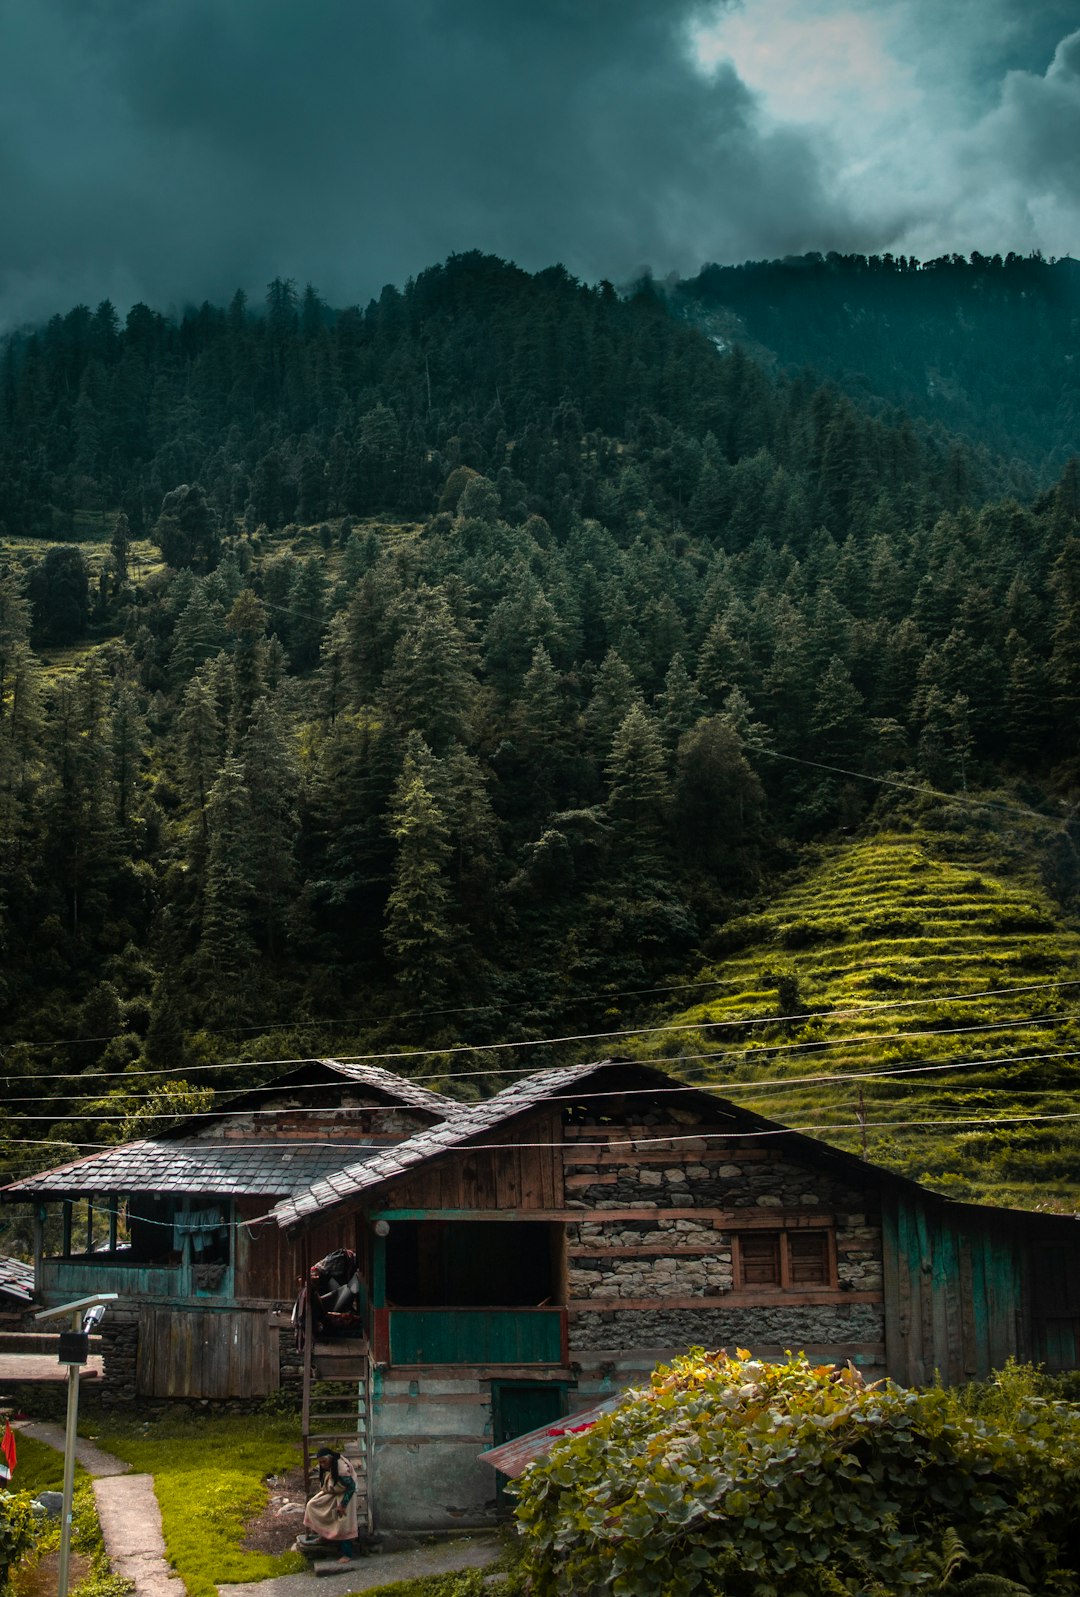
(336, 1409)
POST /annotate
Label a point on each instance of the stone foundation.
(772, 1325)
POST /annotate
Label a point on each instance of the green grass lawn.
(40, 1468)
(210, 1477)
(889, 954)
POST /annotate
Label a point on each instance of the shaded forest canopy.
(457, 669)
(988, 346)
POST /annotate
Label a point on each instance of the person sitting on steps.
(331, 1512)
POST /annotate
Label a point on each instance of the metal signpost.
(74, 1351)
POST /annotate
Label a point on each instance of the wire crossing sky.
(171, 153)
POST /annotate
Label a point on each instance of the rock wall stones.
(751, 1326)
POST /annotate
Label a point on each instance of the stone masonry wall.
(743, 1187)
(772, 1324)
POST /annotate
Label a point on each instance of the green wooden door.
(518, 1407)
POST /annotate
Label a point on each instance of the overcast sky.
(172, 150)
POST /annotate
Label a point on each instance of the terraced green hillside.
(897, 954)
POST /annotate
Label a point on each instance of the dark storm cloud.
(170, 151)
(174, 149)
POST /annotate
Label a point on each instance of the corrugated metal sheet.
(17, 1279)
(512, 1457)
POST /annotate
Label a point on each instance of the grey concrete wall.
(426, 1433)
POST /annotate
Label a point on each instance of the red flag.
(7, 1450)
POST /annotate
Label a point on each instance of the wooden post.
(39, 1241)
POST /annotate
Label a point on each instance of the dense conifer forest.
(461, 669)
(986, 346)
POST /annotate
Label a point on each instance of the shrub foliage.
(730, 1476)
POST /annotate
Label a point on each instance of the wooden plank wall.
(955, 1298)
(521, 1178)
(206, 1353)
(269, 1265)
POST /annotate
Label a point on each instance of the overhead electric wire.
(403, 1055)
(774, 1083)
(1058, 822)
(722, 1058)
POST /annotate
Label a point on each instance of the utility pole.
(73, 1351)
(860, 1115)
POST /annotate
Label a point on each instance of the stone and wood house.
(525, 1257)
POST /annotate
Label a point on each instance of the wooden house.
(527, 1256)
(204, 1301)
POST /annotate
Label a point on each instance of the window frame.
(783, 1235)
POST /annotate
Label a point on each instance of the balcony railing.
(472, 1336)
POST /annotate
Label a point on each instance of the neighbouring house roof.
(467, 1121)
(16, 1279)
(399, 1087)
(190, 1164)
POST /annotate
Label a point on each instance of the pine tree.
(838, 721)
(615, 691)
(307, 614)
(638, 791)
(200, 740)
(429, 687)
(227, 947)
(419, 936)
(680, 705)
(272, 781)
(127, 740)
(120, 551)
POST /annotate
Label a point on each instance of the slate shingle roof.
(191, 1164)
(407, 1092)
(16, 1279)
(468, 1120)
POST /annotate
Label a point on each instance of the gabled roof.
(384, 1083)
(16, 1279)
(183, 1159)
(467, 1121)
(399, 1087)
(194, 1165)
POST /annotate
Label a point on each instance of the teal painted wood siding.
(476, 1336)
(956, 1306)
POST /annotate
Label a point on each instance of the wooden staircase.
(336, 1410)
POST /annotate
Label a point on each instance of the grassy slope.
(909, 938)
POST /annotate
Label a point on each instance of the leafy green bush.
(747, 1479)
(17, 1529)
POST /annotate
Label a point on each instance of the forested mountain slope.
(988, 347)
(454, 671)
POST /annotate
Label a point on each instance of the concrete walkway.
(92, 1459)
(379, 1569)
(127, 1511)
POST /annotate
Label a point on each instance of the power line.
(912, 787)
(802, 1017)
(775, 1083)
(723, 1058)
